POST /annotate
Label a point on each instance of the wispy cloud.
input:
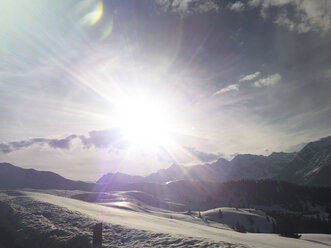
(265, 81)
(231, 87)
(250, 77)
(54, 143)
(98, 139)
(235, 87)
(103, 139)
(268, 81)
(188, 6)
(204, 156)
(236, 6)
(304, 16)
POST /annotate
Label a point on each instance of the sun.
(145, 122)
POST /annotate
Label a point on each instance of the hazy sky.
(83, 83)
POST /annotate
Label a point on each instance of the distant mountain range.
(15, 177)
(244, 166)
(310, 166)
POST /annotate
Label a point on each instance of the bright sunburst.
(145, 122)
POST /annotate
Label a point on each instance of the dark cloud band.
(97, 139)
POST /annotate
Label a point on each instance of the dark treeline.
(268, 193)
(288, 224)
(304, 209)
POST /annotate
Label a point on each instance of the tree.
(240, 228)
(250, 219)
(285, 227)
(220, 214)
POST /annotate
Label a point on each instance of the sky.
(90, 87)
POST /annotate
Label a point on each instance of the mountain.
(311, 166)
(15, 177)
(247, 166)
(244, 166)
(119, 178)
(202, 172)
(173, 173)
(214, 172)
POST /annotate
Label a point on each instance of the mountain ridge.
(278, 165)
(12, 176)
(243, 166)
(311, 166)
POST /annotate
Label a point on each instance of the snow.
(251, 219)
(49, 220)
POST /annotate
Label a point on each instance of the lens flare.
(107, 29)
(97, 14)
(94, 16)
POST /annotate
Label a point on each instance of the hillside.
(285, 202)
(119, 178)
(311, 166)
(15, 177)
(51, 221)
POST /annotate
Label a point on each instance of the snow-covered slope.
(128, 200)
(254, 221)
(52, 221)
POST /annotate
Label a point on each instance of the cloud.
(204, 156)
(231, 87)
(98, 139)
(103, 139)
(298, 15)
(236, 6)
(235, 87)
(268, 81)
(61, 143)
(5, 148)
(250, 77)
(53, 143)
(296, 147)
(188, 6)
